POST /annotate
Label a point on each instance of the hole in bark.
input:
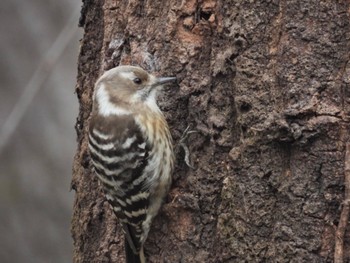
(204, 15)
(245, 107)
(267, 175)
(100, 216)
(216, 136)
(232, 58)
(239, 42)
(244, 129)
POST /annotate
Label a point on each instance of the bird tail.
(131, 257)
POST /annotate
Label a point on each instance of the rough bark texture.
(266, 85)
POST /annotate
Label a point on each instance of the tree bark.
(266, 85)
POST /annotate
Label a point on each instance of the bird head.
(127, 85)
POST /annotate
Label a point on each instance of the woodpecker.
(131, 150)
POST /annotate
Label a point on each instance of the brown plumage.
(131, 149)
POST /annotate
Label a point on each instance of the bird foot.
(183, 144)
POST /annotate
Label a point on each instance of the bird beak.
(162, 81)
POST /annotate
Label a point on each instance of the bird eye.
(137, 81)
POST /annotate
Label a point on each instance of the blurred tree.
(266, 84)
(36, 156)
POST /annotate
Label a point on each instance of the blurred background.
(38, 109)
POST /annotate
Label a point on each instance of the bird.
(131, 150)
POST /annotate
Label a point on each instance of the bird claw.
(184, 146)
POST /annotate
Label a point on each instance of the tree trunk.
(266, 85)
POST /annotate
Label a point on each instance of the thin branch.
(41, 74)
(344, 216)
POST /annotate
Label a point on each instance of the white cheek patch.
(138, 96)
(105, 107)
(151, 101)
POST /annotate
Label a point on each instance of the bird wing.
(120, 153)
